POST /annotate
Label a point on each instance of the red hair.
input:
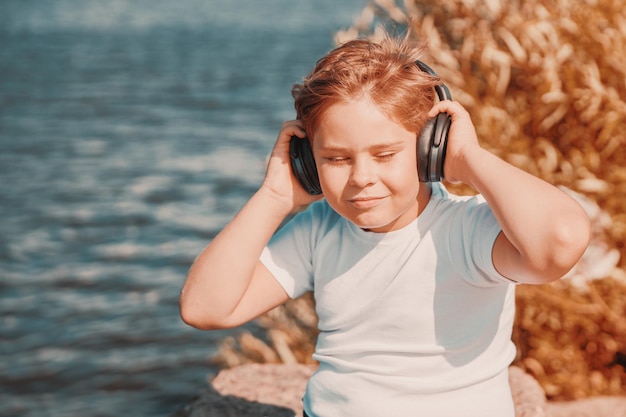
(384, 72)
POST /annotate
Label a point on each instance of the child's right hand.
(279, 178)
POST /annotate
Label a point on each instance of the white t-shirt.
(412, 322)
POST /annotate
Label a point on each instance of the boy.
(414, 287)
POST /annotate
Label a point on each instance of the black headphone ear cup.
(439, 146)
(303, 165)
(432, 144)
(424, 141)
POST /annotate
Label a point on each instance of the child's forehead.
(356, 114)
(358, 105)
(359, 125)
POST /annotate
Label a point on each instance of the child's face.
(367, 167)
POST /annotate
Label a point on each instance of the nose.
(363, 173)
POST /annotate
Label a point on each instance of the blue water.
(130, 132)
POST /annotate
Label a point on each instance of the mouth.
(366, 202)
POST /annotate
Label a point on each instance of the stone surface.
(276, 384)
(589, 407)
(211, 403)
(275, 390)
(528, 396)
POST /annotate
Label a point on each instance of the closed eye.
(337, 160)
(385, 156)
(340, 160)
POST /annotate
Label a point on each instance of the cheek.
(333, 180)
(403, 173)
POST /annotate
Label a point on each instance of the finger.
(294, 127)
(448, 106)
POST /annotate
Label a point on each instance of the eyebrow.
(376, 147)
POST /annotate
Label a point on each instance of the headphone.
(431, 147)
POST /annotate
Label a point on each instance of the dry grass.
(544, 81)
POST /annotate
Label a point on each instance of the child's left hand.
(462, 141)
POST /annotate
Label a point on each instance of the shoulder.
(470, 229)
(446, 203)
(314, 220)
(319, 212)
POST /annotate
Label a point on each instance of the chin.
(377, 227)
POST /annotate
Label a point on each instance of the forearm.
(548, 230)
(221, 274)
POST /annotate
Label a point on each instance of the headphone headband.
(441, 89)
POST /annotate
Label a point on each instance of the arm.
(544, 231)
(227, 285)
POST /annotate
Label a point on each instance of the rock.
(277, 384)
(211, 403)
(275, 390)
(528, 396)
(589, 407)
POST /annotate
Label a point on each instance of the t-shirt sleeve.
(289, 254)
(478, 230)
